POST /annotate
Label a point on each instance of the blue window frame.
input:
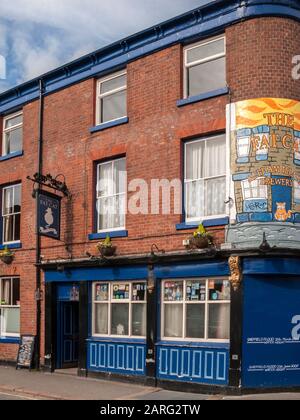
(11, 214)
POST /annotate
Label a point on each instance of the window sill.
(202, 97)
(112, 235)
(117, 340)
(109, 124)
(205, 344)
(10, 340)
(11, 156)
(16, 245)
(207, 223)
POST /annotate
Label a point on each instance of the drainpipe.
(38, 294)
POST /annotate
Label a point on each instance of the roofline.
(206, 20)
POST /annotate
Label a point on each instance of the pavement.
(25, 385)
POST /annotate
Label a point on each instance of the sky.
(39, 35)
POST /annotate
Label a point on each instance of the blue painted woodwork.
(202, 97)
(117, 356)
(16, 245)
(188, 270)
(201, 22)
(193, 363)
(67, 334)
(109, 124)
(11, 156)
(271, 266)
(112, 235)
(206, 223)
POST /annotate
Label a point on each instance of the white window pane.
(17, 199)
(207, 77)
(243, 146)
(16, 292)
(114, 106)
(206, 50)
(105, 185)
(8, 201)
(218, 290)
(8, 229)
(297, 148)
(10, 320)
(101, 318)
(195, 321)
(219, 321)
(173, 291)
(11, 122)
(120, 176)
(216, 196)
(139, 316)
(13, 141)
(6, 292)
(106, 214)
(102, 292)
(296, 190)
(215, 156)
(196, 291)
(195, 199)
(120, 319)
(112, 84)
(195, 160)
(173, 321)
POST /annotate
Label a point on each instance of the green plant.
(201, 233)
(6, 253)
(107, 243)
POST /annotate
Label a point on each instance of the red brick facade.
(259, 54)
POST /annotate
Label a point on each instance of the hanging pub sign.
(49, 206)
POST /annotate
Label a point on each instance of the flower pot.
(201, 242)
(108, 251)
(7, 259)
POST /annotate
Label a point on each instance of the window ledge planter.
(201, 239)
(106, 248)
(6, 256)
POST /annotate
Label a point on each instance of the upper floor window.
(205, 178)
(111, 195)
(12, 134)
(112, 98)
(9, 307)
(11, 213)
(205, 67)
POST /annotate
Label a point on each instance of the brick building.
(207, 98)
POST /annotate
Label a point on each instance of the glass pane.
(13, 141)
(107, 213)
(17, 221)
(112, 84)
(8, 229)
(173, 291)
(17, 199)
(11, 122)
(8, 201)
(173, 321)
(195, 291)
(195, 160)
(205, 51)
(194, 206)
(114, 106)
(219, 290)
(105, 185)
(121, 292)
(6, 292)
(120, 319)
(11, 321)
(16, 292)
(207, 77)
(215, 196)
(219, 321)
(101, 318)
(102, 292)
(120, 176)
(139, 292)
(139, 316)
(195, 321)
(215, 157)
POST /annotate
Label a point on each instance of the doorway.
(67, 335)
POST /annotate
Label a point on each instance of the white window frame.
(10, 214)
(186, 181)
(184, 302)
(8, 130)
(198, 62)
(111, 92)
(2, 333)
(111, 302)
(255, 191)
(98, 198)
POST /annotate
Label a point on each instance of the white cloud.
(43, 34)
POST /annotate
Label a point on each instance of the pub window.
(111, 195)
(112, 98)
(11, 214)
(12, 134)
(254, 189)
(205, 67)
(196, 309)
(9, 307)
(119, 309)
(205, 178)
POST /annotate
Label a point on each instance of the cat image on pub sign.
(282, 215)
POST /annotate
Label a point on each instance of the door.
(68, 335)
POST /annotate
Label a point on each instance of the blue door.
(68, 335)
(282, 199)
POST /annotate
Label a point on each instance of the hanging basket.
(7, 259)
(107, 251)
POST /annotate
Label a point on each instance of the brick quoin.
(259, 63)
